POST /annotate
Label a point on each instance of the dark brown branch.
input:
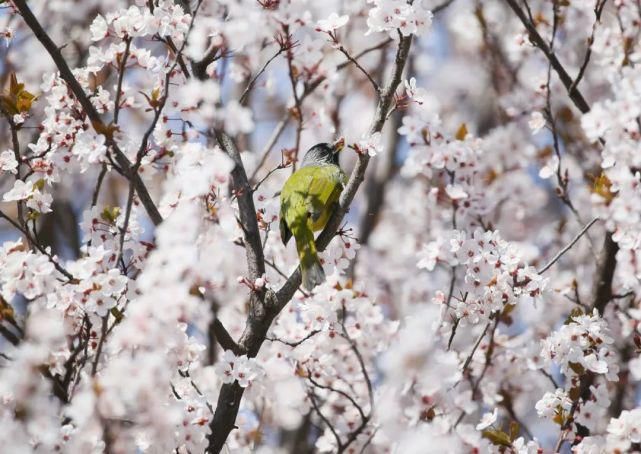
(605, 275)
(9, 335)
(224, 338)
(246, 208)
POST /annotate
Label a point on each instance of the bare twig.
(361, 69)
(294, 344)
(559, 254)
(339, 443)
(278, 130)
(244, 97)
(468, 360)
(101, 342)
(598, 10)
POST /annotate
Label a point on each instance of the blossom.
(455, 192)
(415, 93)
(332, 23)
(98, 28)
(536, 122)
(626, 428)
(583, 342)
(21, 190)
(40, 201)
(552, 404)
(372, 144)
(8, 161)
(409, 18)
(237, 119)
(493, 275)
(487, 420)
(231, 368)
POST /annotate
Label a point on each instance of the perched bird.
(307, 201)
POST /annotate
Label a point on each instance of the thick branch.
(247, 210)
(223, 337)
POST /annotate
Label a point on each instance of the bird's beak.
(339, 145)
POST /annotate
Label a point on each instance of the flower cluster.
(583, 343)
(232, 368)
(493, 274)
(167, 19)
(389, 15)
(617, 192)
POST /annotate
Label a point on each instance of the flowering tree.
(483, 261)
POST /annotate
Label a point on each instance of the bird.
(308, 199)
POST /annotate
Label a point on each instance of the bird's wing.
(324, 188)
(293, 197)
(307, 198)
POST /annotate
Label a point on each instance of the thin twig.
(358, 65)
(295, 343)
(243, 98)
(41, 249)
(568, 246)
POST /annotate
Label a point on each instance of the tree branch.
(247, 210)
(89, 109)
(538, 41)
(568, 247)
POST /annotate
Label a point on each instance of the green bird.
(307, 201)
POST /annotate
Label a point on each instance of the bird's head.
(323, 153)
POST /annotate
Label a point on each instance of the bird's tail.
(310, 267)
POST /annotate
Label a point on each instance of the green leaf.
(110, 214)
(39, 185)
(117, 314)
(576, 312)
(33, 215)
(514, 430)
(17, 99)
(497, 437)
